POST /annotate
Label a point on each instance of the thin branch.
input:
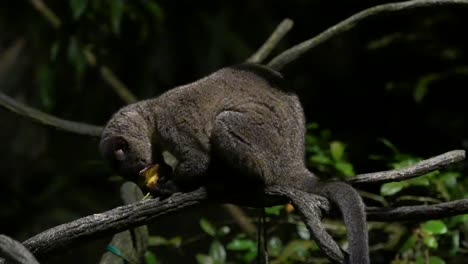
(290, 55)
(418, 212)
(47, 13)
(109, 77)
(281, 30)
(418, 169)
(242, 220)
(46, 119)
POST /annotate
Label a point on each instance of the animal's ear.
(115, 146)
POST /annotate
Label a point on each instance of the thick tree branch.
(46, 119)
(13, 252)
(116, 220)
(292, 54)
(418, 169)
(281, 30)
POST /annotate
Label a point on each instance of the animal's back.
(248, 114)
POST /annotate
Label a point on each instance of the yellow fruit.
(150, 176)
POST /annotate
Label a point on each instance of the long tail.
(352, 208)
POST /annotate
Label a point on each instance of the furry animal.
(239, 126)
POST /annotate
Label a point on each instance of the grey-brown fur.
(239, 125)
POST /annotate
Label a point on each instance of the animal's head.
(126, 143)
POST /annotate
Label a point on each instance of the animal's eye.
(119, 154)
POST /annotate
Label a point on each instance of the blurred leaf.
(274, 246)
(44, 77)
(242, 244)
(435, 227)
(409, 243)
(449, 178)
(274, 210)
(157, 241)
(455, 237)
(117, 8)
(150, 258)
(78, 7)
(436, 260)
(302, 231)
(391, 188)
(389, 145)
(217, 252)
(223, 231)
(321, 159)
(297, 250)
(155, 9)
(204, 259)
(430, 241)
(455, 220)
(76, 56)
(421, 88)
(175, 241)
(207, 227)
(337, 150)
(345, 167)
(54, 50)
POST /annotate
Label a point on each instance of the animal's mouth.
(149, 176)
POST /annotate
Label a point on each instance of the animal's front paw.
(164, 189)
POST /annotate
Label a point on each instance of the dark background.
(400, 76)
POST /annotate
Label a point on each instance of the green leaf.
(217, 252)
(75, 56)
(450, 178)
(78, 7)
(455, 237)
(207, 227)
(204, 259)
(223, 231)
(274, 210)
(321, 159)
(150, 258)
(157, 241)
(337, 150)
(297, 250)
(241, 244)
(155, 9)
(54, 50)
(345, 167)
(117, 8)
(391, 188)
(409, 243)
(430, 241)
(176, 241)
(44, 77)
(435, 227)
(302, 231)
(274, 246)
(436, 260)
(389, 145)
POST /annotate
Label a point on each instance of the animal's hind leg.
(239, 140)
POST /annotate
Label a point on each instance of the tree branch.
(46, 119)
(293, 53)
(418, 169)
(281, 30)
(133, 243)
(13, 252)
(418, 212)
